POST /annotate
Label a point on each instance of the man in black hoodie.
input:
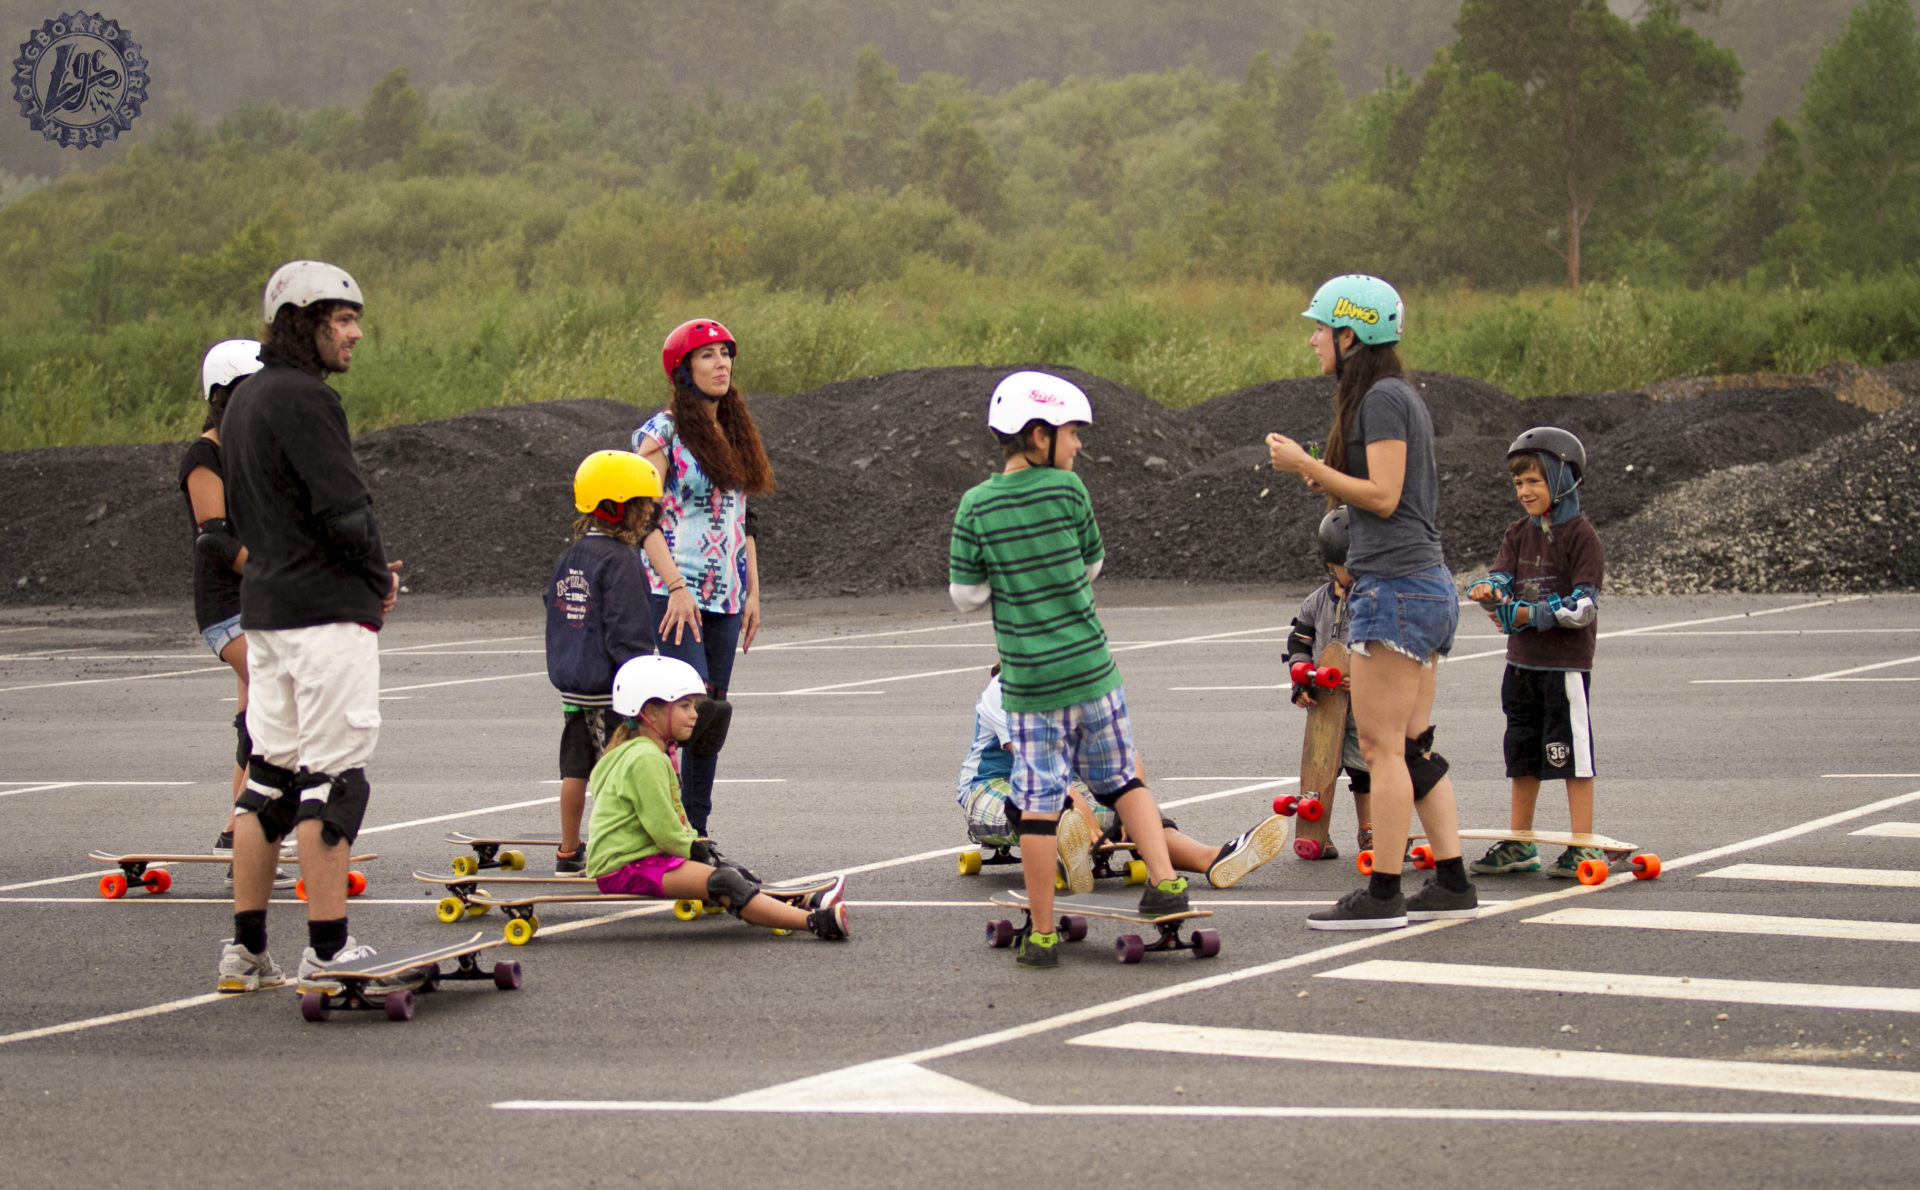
(316, 588)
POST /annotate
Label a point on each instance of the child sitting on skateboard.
(1321, 621)
(639, 842)
(986, 789)
(1543, 593)
(598, 616)
(1026, 542)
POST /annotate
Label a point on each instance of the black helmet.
(1333, 537)
(1552, 440)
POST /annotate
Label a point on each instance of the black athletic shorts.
(584, 738)
(1549, 733)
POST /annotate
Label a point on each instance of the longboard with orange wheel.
(1645, 864)
(134, 872)
(1320, 749)
(343, 985)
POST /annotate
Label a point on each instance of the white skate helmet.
(645, 678)
(226, 362)
(304, 282)
(1036, 396)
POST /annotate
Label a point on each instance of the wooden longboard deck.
(1326, 733)
(109, 858)
(1551, 838)
(462, 839)
(450, 881)
(407, 960)
(479, 896)
(1093, 905)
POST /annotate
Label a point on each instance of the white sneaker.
(241, 970)
(313, 973)
(280, 878)
(1247, 852)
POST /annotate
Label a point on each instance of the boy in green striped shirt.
(1026, 543)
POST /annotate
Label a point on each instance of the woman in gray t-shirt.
(1403, 609)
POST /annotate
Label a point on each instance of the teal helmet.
(1367, 306)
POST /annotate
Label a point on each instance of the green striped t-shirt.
(1031, 536)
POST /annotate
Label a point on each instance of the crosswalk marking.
(1659, 987)
(1734, 923)
(1891, 830)
(1838, 1082)
(1872, 877)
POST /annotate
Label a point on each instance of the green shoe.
(1509, 855)
(1168, 896)
(1038, 950)
(1567, 867)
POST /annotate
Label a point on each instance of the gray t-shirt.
(1409, 540)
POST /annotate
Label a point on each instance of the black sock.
(1383, 886)
(327, 937)
(250, 930)
(1452, 873)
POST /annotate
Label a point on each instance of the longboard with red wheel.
(317, 1003)
(1645, 864)
(466, 898)
(488, 853)
(134, 872)
(1320, 750)
(1128, 948)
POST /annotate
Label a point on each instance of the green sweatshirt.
(636, 808)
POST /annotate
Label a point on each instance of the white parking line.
(45, 786)
(1658, 987)
(1891, 830)
(1832, 929)
(1865, 877)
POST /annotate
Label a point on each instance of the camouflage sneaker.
(1508, 855)
(1567, 867)
(1037, 950)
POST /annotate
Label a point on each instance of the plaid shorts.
(1090, 740)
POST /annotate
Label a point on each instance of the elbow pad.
(970, 597)
(1093, 569)
(1577, 610)
(214, 539)
(753, 519)
(351, 533)
(1300, 641)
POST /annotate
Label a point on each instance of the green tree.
(1862, 120)
(953, 160)
(393, 118)
(1247, 160)
(1771, 199)
(812, 143)
(1310, 111)
(873, 143)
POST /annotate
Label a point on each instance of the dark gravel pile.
(869, 472)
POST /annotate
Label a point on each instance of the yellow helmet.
(616, 475)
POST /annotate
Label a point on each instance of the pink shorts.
(641, 878)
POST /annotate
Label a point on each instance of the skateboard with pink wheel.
(344, 985)
(1321, 748)
(134, 872)
(1128, 948)
(1645, 864)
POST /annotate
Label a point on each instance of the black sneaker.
(223, 845)
(1359, 911)
(830, 923)
(827, 897)
(1435, 902)
(570, 863)
(1164, 898)
(1037, 951)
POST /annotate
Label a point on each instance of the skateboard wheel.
(1284, 804)
(780, 932)
(1301, 672)
(506, 975)
(300, 888)
(465, 865)
(710, 910)
(1128, 948)
(999, 934)
(1326, 678)
(313, 1006)
(686, 910)
(969, 863)
(476, 910)
(1364, 861)
(1073, 927)
(1136, 871)
(449, 910)
(1311, 809)
(1307, 848)
(1591, 871)
(113, 886)
(399, 1005)
(157, 881)
(1206, 943)
(512, 861)
(533, 919)
(1421, 855)
(356, 883)
(1646, 867)
(1059, 880)
(520, 931)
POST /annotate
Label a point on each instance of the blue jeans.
(712, 657)
(1415, 614)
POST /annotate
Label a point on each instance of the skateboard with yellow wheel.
(135, 873)
(489, 853)
(1645, 864)
(523, 921)
(459, 902)
(343, 985)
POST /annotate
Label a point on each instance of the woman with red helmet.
(701, 562)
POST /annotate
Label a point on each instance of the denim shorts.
(219, 636)
(1415, 614)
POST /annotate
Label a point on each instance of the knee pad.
(271, 796)
(1424, 765)
(340, 808)
(243, 751)
(1112, 800)
(710, 730)
(730, 886)
(1359, 781)
(1022, 825)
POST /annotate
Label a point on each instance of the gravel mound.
(869, 471)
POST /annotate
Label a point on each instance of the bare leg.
(1140, 815)
(1526, 795)
(573, 807)
(1393, 699)
(1190, 855)
(235, 655)
(324, 869)
(1580, 804)
(254, 860)
(690, 880)
(1037, 861)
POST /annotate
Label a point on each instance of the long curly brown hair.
(731, 455)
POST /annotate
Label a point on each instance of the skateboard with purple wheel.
(344, 986)
(1129, 948)
(1321, 747)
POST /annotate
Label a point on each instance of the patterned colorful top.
(705, 526)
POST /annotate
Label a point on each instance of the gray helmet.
(1333, 537)
(1552, 440)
